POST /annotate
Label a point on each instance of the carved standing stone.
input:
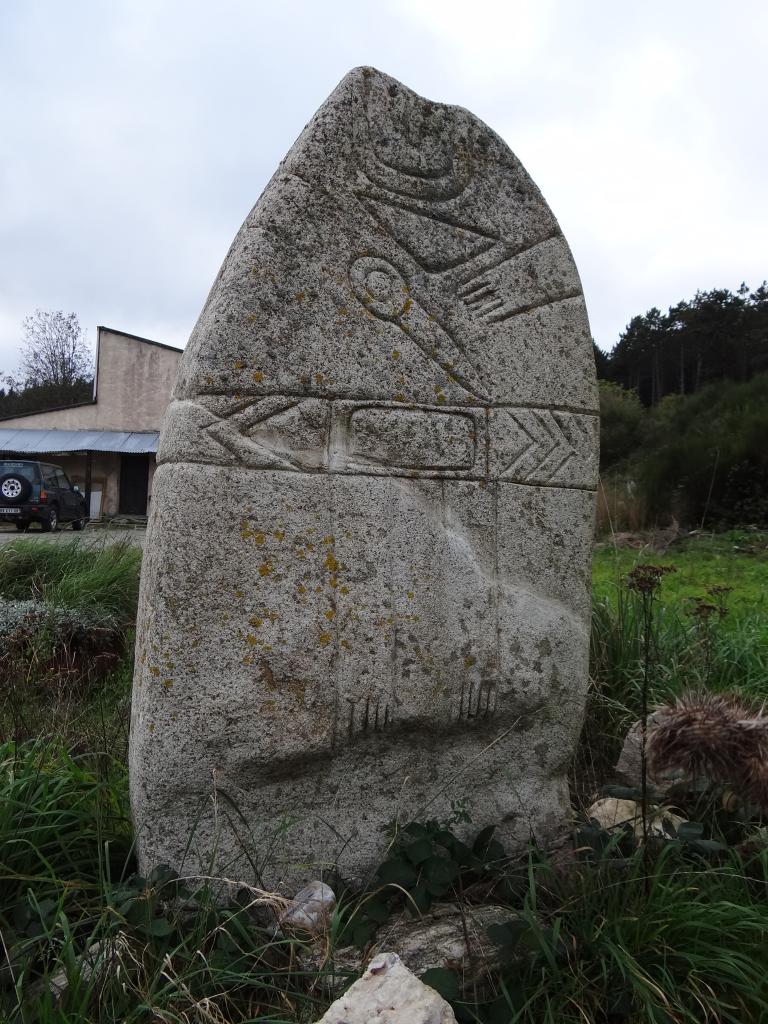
(366, 586)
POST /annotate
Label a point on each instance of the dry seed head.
(720, 736)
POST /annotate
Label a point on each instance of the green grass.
(738, 559)
(52, 680)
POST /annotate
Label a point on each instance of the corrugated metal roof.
(49, 442)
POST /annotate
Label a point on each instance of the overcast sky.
(135, 135)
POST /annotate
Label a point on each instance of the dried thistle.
(720, 736)
(646, 578)
(702, 609)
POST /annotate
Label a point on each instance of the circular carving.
(379, 286)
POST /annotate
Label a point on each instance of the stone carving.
(366, 582)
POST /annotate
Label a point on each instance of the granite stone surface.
(366, 585)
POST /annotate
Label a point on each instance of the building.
(107, 446)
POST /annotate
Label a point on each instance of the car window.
(25, 469)
(49, 476)
(63, 480)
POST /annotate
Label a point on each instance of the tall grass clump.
(677, 941)
(73, 575)
(87, 939)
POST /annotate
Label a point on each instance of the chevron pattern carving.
(543, 446)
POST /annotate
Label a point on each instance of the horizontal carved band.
(521, 445)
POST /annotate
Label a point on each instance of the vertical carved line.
(334, 667)
(479, 700)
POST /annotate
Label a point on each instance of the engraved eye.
(379, 286)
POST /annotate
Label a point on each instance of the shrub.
(705, 458)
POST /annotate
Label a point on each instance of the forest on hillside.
(716, 335)
(684, 414)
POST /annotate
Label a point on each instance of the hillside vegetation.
(684, 415)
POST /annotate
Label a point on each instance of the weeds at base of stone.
(601, 929)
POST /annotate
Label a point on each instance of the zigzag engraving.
(538, 445)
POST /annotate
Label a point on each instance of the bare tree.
(54, 351)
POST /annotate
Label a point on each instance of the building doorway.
(134, 485)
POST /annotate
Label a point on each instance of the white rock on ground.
(630, 763)
(389, 994)
(612, 813)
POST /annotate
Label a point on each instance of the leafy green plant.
(426, 863)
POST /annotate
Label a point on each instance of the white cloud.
(137, 134)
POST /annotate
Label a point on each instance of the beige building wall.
(134, 380)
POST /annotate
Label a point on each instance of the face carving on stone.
(380, 464)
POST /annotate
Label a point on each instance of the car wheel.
(22, 527)
(79, 524)
(14, 487)
(51, 523)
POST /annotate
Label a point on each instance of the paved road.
(92, 535)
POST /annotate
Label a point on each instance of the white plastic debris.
(310, 911)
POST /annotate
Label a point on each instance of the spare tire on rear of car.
(14, 487)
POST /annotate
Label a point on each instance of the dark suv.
(38, 492)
